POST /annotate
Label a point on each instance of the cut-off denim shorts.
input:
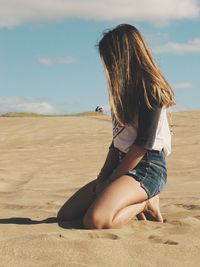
(151, 172)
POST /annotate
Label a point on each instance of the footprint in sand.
(189, 207)
(171, 242)
(197, 217)
(103, 235)
(158, 239)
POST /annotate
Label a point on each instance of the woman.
(134, 172)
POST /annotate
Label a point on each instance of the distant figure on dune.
(134, 171)
(98, 109)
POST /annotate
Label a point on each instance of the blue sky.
(49, 63)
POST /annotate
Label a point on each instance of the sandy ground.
(44, 160)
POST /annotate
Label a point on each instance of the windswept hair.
(131, 72)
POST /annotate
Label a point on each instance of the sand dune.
(44, 160)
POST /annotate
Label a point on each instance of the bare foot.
(141, 217)
(151, 211)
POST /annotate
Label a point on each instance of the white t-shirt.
(149, 130)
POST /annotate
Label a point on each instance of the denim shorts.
(151, 172)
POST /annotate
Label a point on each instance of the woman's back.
(124, 137)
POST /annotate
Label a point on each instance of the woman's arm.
(146, 133)
(110, 164)
(131, 159)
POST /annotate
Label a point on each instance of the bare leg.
(127, 213)
(151, 210)
(76, 206)
(118, 203)
(78, 203)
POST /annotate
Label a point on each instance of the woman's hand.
(131, 159)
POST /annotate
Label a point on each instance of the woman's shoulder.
(148, 101)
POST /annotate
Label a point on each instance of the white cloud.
(182, 85)
(16, 12)
(45, 61)
(26, 105)
(157, 38)
(60, 61)
(192, 46)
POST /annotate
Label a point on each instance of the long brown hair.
(130, 69)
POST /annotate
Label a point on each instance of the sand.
(45, 160)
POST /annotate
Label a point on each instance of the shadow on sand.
(77, 224)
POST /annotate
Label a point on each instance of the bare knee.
(96, 221)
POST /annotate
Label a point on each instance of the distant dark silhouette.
(99, 109)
